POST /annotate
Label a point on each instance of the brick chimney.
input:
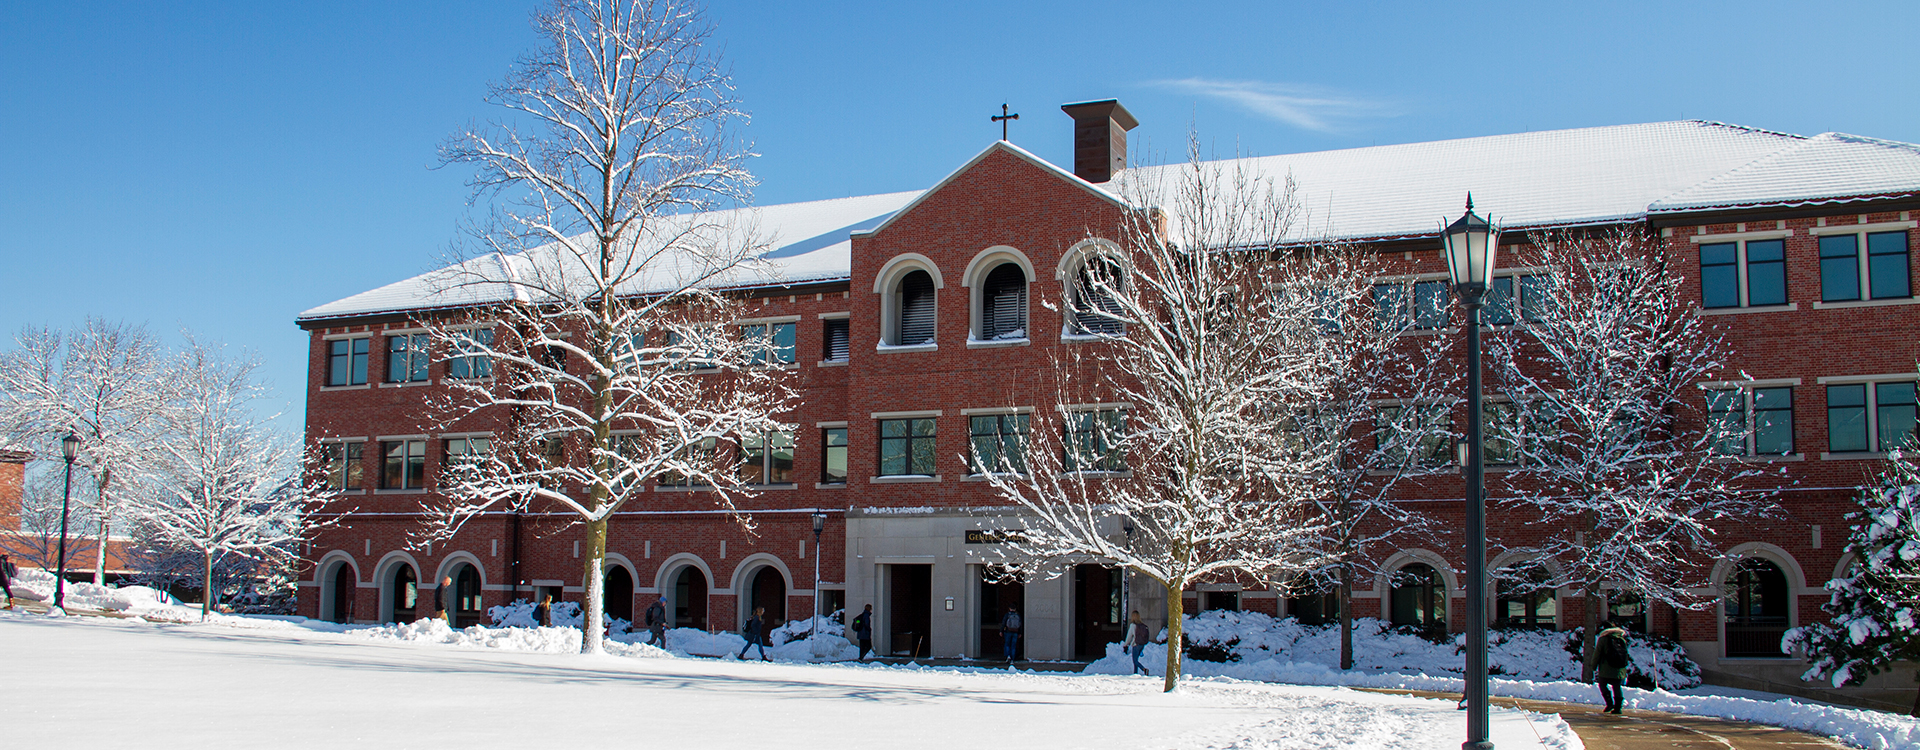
(1099, 138)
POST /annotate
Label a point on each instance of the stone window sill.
(1789, 307)
(905, 479)
(1842, 305)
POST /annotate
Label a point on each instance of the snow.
(298, 687)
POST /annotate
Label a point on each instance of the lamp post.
(819, 524)
(1471, 243)
(69, 449)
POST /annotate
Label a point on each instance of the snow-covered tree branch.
(1621, 455)
(616, 362)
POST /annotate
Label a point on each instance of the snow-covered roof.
(1552, 178)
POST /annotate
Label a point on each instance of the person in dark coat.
(440, 597)
(1610, 661)
(863, 630)
(6, 579)
(1010, 633)
(543, 612)
(752, 632)
(1137, 641)
(657, 622)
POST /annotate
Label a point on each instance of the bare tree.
(1375, 422)
(1624, 461)
(226, 484)
(102, 382)
(1218, 344)
(613, 354)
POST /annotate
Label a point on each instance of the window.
(404, 466)
(1751, 422)
(1415, 435)
(469, 359)
(906, 447)
(834, 340)
(1535, 299)
(1093, 440)
(1743, 274)
(698, 454)
(833, 455)
(1419, 598)
(344, 468)
(1883, 272)
(1524, 600)
(407, 358)
(466, 450)
(1096, 310)
(1003, 303)
(766, 459)
(554, 358)
(1870, 417)
(1756, 605)
(999, 443)
(347, 362)
(914, 310)
(1421, 304)
(1516, 429)
(774, 343)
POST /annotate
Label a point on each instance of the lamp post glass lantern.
(1471, 244)
(69, 450)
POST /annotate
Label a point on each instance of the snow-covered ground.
(78, 682)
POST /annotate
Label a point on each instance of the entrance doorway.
(466, 596)
(769, 589)
(340, 587)
(999, 590)
(690, 599)
(909, 609)
(617, 595)
(1097, 619)
(403, 593)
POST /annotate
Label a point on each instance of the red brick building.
(904, 329)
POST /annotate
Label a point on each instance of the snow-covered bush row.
(518, 634)
(559, 640)
(519, 614)
(1249, 639)
(140, 601)
(799, 629)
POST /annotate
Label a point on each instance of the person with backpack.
(1610, 665)
(1137, 642)
(863, 630)
(543, 612)
(657, 622)
(752, 632)
(1010, 632)
(7, 572)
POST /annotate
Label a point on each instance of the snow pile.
(139, 601)
(1241, 644)
(694, 642)
(554, 640)
(519, 614)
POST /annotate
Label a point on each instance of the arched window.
(690, 599)
(1524, 600)
(913, 316)
(1003, 303)
(403, 593)
(1757, 601)
(1419, 598)
(1095, 284)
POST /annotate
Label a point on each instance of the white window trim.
(974, 279)
(389, 438)
(1872, 408)
(1740, 240)
(767, 320)
(922, 414)
(996, 410)
(1884, 226)
(886, 283)
(842, 315)
(903, 478)
(1846, 303)
(1768, 234)
(339, 336)
(459, 435)
(830, 425)
(1722, 385)
(1897, 377)
(1114, 406)
(334, 440)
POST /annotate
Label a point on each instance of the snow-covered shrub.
(519, 614)
(801, 629)
(1658, 661)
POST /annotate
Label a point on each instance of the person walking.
(752, 632)
(440, 597)
(7, 572)
(1610, 661)
(1010, 633)
(1137, 642)
(543, 612)
(863, 630)
(657, 622)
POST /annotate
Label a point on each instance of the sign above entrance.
(986, 536)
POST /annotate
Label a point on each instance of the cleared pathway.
(1656, 730)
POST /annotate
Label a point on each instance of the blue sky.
(220, 167)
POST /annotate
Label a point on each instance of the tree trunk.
(1591, 631)
(1176, 610)
(206, 598)
(100, 550)
(593, 615)
(1346, 615)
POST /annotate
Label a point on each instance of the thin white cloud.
(1306, 107)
